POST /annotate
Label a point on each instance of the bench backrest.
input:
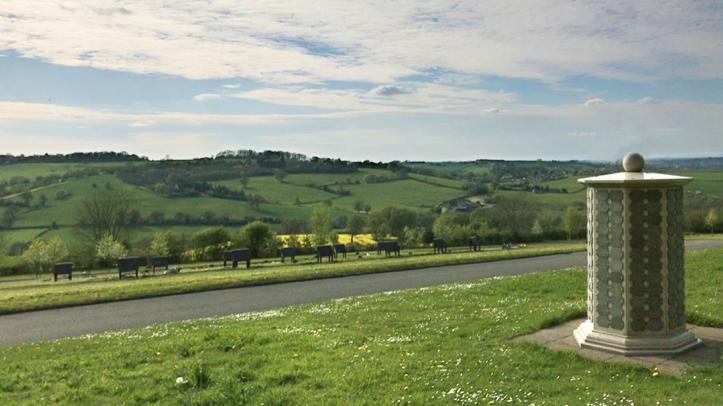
(340, 248)
(288, 251)
(128, 264)
(63, 268)
(473, 241)
(325, 251)
(388, 246)
(439, 243)
(239, 254)
(160, 261)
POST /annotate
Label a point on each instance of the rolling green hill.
(420, 187)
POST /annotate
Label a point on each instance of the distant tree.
(42, 200)
(209, 216)
(9, 217)
(103, 214)
(62, 195)
(160, 245)
(378, 226)
(157, 217)
(244, 180)
(711, 220)
(259, 238)
(513, 214)
(210, 236)
(320, 224)
(573, 221)
(395, 219)
(359, 206)
(427, 236)
(297, 201)
(42, 254)
(108, 250)
(280, 175)
(413, 236)
(134, 217)
(537, 229)
(455, 228)
(292, 226)
(181, 218)
(355, 225)
(26, 197)
(255, 201)
(367, 208)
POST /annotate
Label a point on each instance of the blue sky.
(436, 80)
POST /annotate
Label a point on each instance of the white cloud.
(142, 123)
(388, 90)
(419, 98)
(231, 86)
(492, 110)
(594, 102)
(376, 42)
(206, 96)
(647, 100)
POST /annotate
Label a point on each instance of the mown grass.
(33, 295)
(449, 344)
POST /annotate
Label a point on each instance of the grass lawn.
(33, 295)
(447, 344)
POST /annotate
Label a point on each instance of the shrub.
(108, 250)
(259, 238)
(42, 254)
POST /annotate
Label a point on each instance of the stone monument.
(635, 251)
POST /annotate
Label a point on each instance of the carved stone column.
(636, 295)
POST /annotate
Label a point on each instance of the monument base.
(587, 337)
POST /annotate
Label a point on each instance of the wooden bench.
(63, 268)
(325, 251)
(340, 249)
(128, 264)
(160, 262)
(474, 244)
(440, 246)
(237, 255)
(288, 252)
(389, 248)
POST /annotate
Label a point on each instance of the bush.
(259, 238)
(108, 250)
(209, 237)
(42, 254)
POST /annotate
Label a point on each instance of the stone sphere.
(633, 162)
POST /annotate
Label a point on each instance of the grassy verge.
(33, 295)
(448, 344)
(704, 237)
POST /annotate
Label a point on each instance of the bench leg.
(55, 277)
(70, 276)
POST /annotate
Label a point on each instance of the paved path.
(79, 320)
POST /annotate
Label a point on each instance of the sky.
(379, 80)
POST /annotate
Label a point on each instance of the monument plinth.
(635, 256)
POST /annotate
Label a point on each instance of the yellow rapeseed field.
(365, 239)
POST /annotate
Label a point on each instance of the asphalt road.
(80, 320)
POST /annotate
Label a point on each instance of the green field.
(449, 344)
